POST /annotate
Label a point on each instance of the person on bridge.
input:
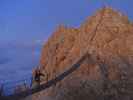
(37, 77)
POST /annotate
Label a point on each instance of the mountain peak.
(106, 15)
(103, 36)
(109, 12)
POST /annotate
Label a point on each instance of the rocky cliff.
(107, 37)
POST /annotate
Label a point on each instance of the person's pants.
(35, 85)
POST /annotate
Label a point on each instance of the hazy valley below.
(17, 61)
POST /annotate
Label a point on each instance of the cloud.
(16, 61)
(4, 60)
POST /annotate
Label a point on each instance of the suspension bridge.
(30, 91)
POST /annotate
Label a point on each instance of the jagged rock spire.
(108, 35)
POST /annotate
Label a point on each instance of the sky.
(28, 23)
(31, 20)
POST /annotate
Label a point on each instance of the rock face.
(107, 36)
